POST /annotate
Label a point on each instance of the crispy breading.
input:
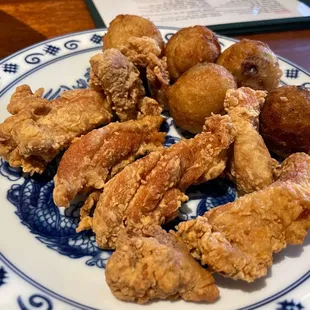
(152, 187)
(120, 80)
(118, 193)
(94, 158)
(251, 166)
(164, 176)
(152, 264)
(238, 239)
(148, 106)
(41, 129)
(158, 78)
(145, 52)
(86, 221)
(210, 149)
(24, 98)
(138, 50)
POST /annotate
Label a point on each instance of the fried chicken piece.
(183, 164)
(24, 98)
(148, 106)
(251, 166)
(152, 264)
(94, 158)
(86, 221)
(158, 79)
(145, 206)
(138, 50)
(145, 52)
(112, 205)
(210, 149)
(238, 239)
(120, 80)
(152, 187)
(41, 129)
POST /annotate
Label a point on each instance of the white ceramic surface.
(45, 265)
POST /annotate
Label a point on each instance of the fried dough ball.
(285, 120)
(199, 92)
(190, 46)
(253, 64)
(122, 27)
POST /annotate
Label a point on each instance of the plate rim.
(69, 301)
(2, 61)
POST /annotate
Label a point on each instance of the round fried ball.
(285, 120)
(253, 64)
(190, 46)
(125, 26)
(199, 92)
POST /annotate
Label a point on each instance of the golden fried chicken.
(251, 166)
(141, 42)
(94, 158)
(151, 190)
(139, 49)
(24, 98)
(152, 264)
(148, 106)
(145, 52)
(120, 80)
(238, 239)
(158, 79)
(111, 206)
(210, 149)
(41, 129)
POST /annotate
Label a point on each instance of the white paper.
(182, 13)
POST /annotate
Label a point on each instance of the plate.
(44, 264)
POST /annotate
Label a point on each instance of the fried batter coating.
(41, 129)
(251, 166)
(144, 52)
(148, 106)
(138, 50)
(190, 46)
(197, 94)
(152, 187)
(210, 149)
(118, 193)
(141, 42)
(158, 78)
(24, 98)
(285, 120)
(124, 27)
(253, 64)
(152, 264)
(94, 158)
(238, 239)
(120, 81)
(145, 206)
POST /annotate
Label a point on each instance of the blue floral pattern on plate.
(3, 276)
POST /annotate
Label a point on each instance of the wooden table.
(25, 22)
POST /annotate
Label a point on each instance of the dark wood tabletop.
(25, 22)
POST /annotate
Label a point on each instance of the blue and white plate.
(44, 264)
